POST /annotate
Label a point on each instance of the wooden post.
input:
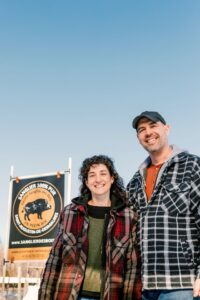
(3, 281)
(7, 232)
(19, 275)
(69, 181)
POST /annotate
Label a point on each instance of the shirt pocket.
(119, 248)
(175, 197)
(70, 246)
(187, 253)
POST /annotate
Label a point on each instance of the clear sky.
(73, 74)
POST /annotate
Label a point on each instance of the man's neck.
(160, 157)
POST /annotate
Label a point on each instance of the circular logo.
(36, 208)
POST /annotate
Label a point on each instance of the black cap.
(151, 115)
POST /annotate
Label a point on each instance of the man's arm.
(195, 201)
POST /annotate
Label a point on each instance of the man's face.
(152, 135)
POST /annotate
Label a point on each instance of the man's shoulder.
(187, 157)
(182, 164)
(135, 178)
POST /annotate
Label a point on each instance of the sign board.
(36, 203)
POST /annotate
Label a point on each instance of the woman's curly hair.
(117, 187)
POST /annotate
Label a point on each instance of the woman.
(94, 254)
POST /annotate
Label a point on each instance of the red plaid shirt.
(65, 267)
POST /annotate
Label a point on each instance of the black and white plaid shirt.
(169, 227)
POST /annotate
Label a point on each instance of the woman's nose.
(97, 178)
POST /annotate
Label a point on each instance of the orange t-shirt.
(151, 175)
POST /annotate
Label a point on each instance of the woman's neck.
(100, 201)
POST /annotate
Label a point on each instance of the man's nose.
(148, 131)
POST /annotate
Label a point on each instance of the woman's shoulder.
(75, 204)
(129, 212)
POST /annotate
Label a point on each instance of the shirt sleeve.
(132, 280)
(195, 206)
(53, 267)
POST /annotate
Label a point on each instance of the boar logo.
(36, 207)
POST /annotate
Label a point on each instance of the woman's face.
(99, 180)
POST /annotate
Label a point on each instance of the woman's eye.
(90, 175)
(103, 174)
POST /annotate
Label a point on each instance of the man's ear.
(168, 129)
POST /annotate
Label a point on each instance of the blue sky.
(73, 74)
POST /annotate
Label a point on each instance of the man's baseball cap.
(151, 115)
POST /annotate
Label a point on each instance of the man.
(166, 193)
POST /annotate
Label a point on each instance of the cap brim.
(136, 120)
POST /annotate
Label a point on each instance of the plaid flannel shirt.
(169, 226)
(64, 272)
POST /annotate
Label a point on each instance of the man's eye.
(140, 130)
